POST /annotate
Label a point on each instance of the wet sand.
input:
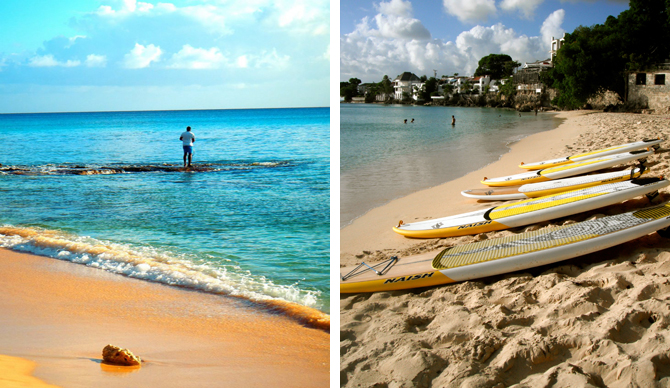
(596, 320)
(60, 315)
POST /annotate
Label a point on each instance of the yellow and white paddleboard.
(638, 145)
(506, 254)
(533, 190)
(560, 172)
(531, 211)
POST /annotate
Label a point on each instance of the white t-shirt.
(187, 138)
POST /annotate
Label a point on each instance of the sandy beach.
(596, 320)
(57, 316)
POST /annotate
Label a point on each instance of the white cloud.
(74, 39)
(395, 7)
(140, 56)
(49, 61)
(552, 26)
(394, 21)
(197, 58)
(297, 16)
(242, 61)
(43, 61)
(126, 7)
(94, 60)
(326, 55)
(470, 11)
(368, 54)
(525, 7)
(391, 26)
(270, 59)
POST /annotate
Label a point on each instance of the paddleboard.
(533, 190)
(505, 254)
(638, 145)
(531, 211)
(567, 171)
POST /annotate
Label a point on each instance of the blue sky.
(106, 55)
(389, 37)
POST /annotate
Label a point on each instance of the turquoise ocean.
(382, 158)
(107, 190)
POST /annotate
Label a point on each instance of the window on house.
(641, 79)
(659, 79)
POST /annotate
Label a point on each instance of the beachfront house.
(527, 79)
(362, 89)
(457, 83)
(404, 85)
(479, 83)
(650, 88)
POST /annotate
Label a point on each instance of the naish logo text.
(408, 278)
(473, 225)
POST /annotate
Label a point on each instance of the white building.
(478, 83)
(405, 83)
(555, 45)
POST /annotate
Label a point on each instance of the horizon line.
(158, 110)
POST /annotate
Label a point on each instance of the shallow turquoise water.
(255, 224)
(382, 158)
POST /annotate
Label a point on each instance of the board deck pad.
(593, 154)
(511, 253)
(532, 210)
(566, 171)
(500, 248)
(532, 190)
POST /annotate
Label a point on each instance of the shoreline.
(593, 320)
(60, 315)
(372, 231)
(508, 146)
(481, 139)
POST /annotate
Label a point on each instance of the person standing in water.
(453, 120)
(187, 138)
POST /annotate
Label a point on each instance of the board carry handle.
(655, 147)
(665, 232)
(389, 263)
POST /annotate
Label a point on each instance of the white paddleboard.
(638, 145)
(531, 211)
(570, 170)
(506, 254)
(533, 190)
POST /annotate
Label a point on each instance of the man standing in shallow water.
(188, 138)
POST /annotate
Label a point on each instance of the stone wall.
(654, 94)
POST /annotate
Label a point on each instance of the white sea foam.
(148, 263)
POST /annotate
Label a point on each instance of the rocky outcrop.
(115, 355)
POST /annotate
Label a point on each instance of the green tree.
(498, 66)
(429, 86)
(387, 85)
(348, 90)
(508, 89)
(597, 58)
(467, 86)
(447, 89)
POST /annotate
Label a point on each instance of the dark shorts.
(188, 149)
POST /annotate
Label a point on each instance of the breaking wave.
(151, 264)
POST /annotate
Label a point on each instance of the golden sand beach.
(60, 315)
(596, 320)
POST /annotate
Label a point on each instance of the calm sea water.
(381, 158)
(103, 189)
